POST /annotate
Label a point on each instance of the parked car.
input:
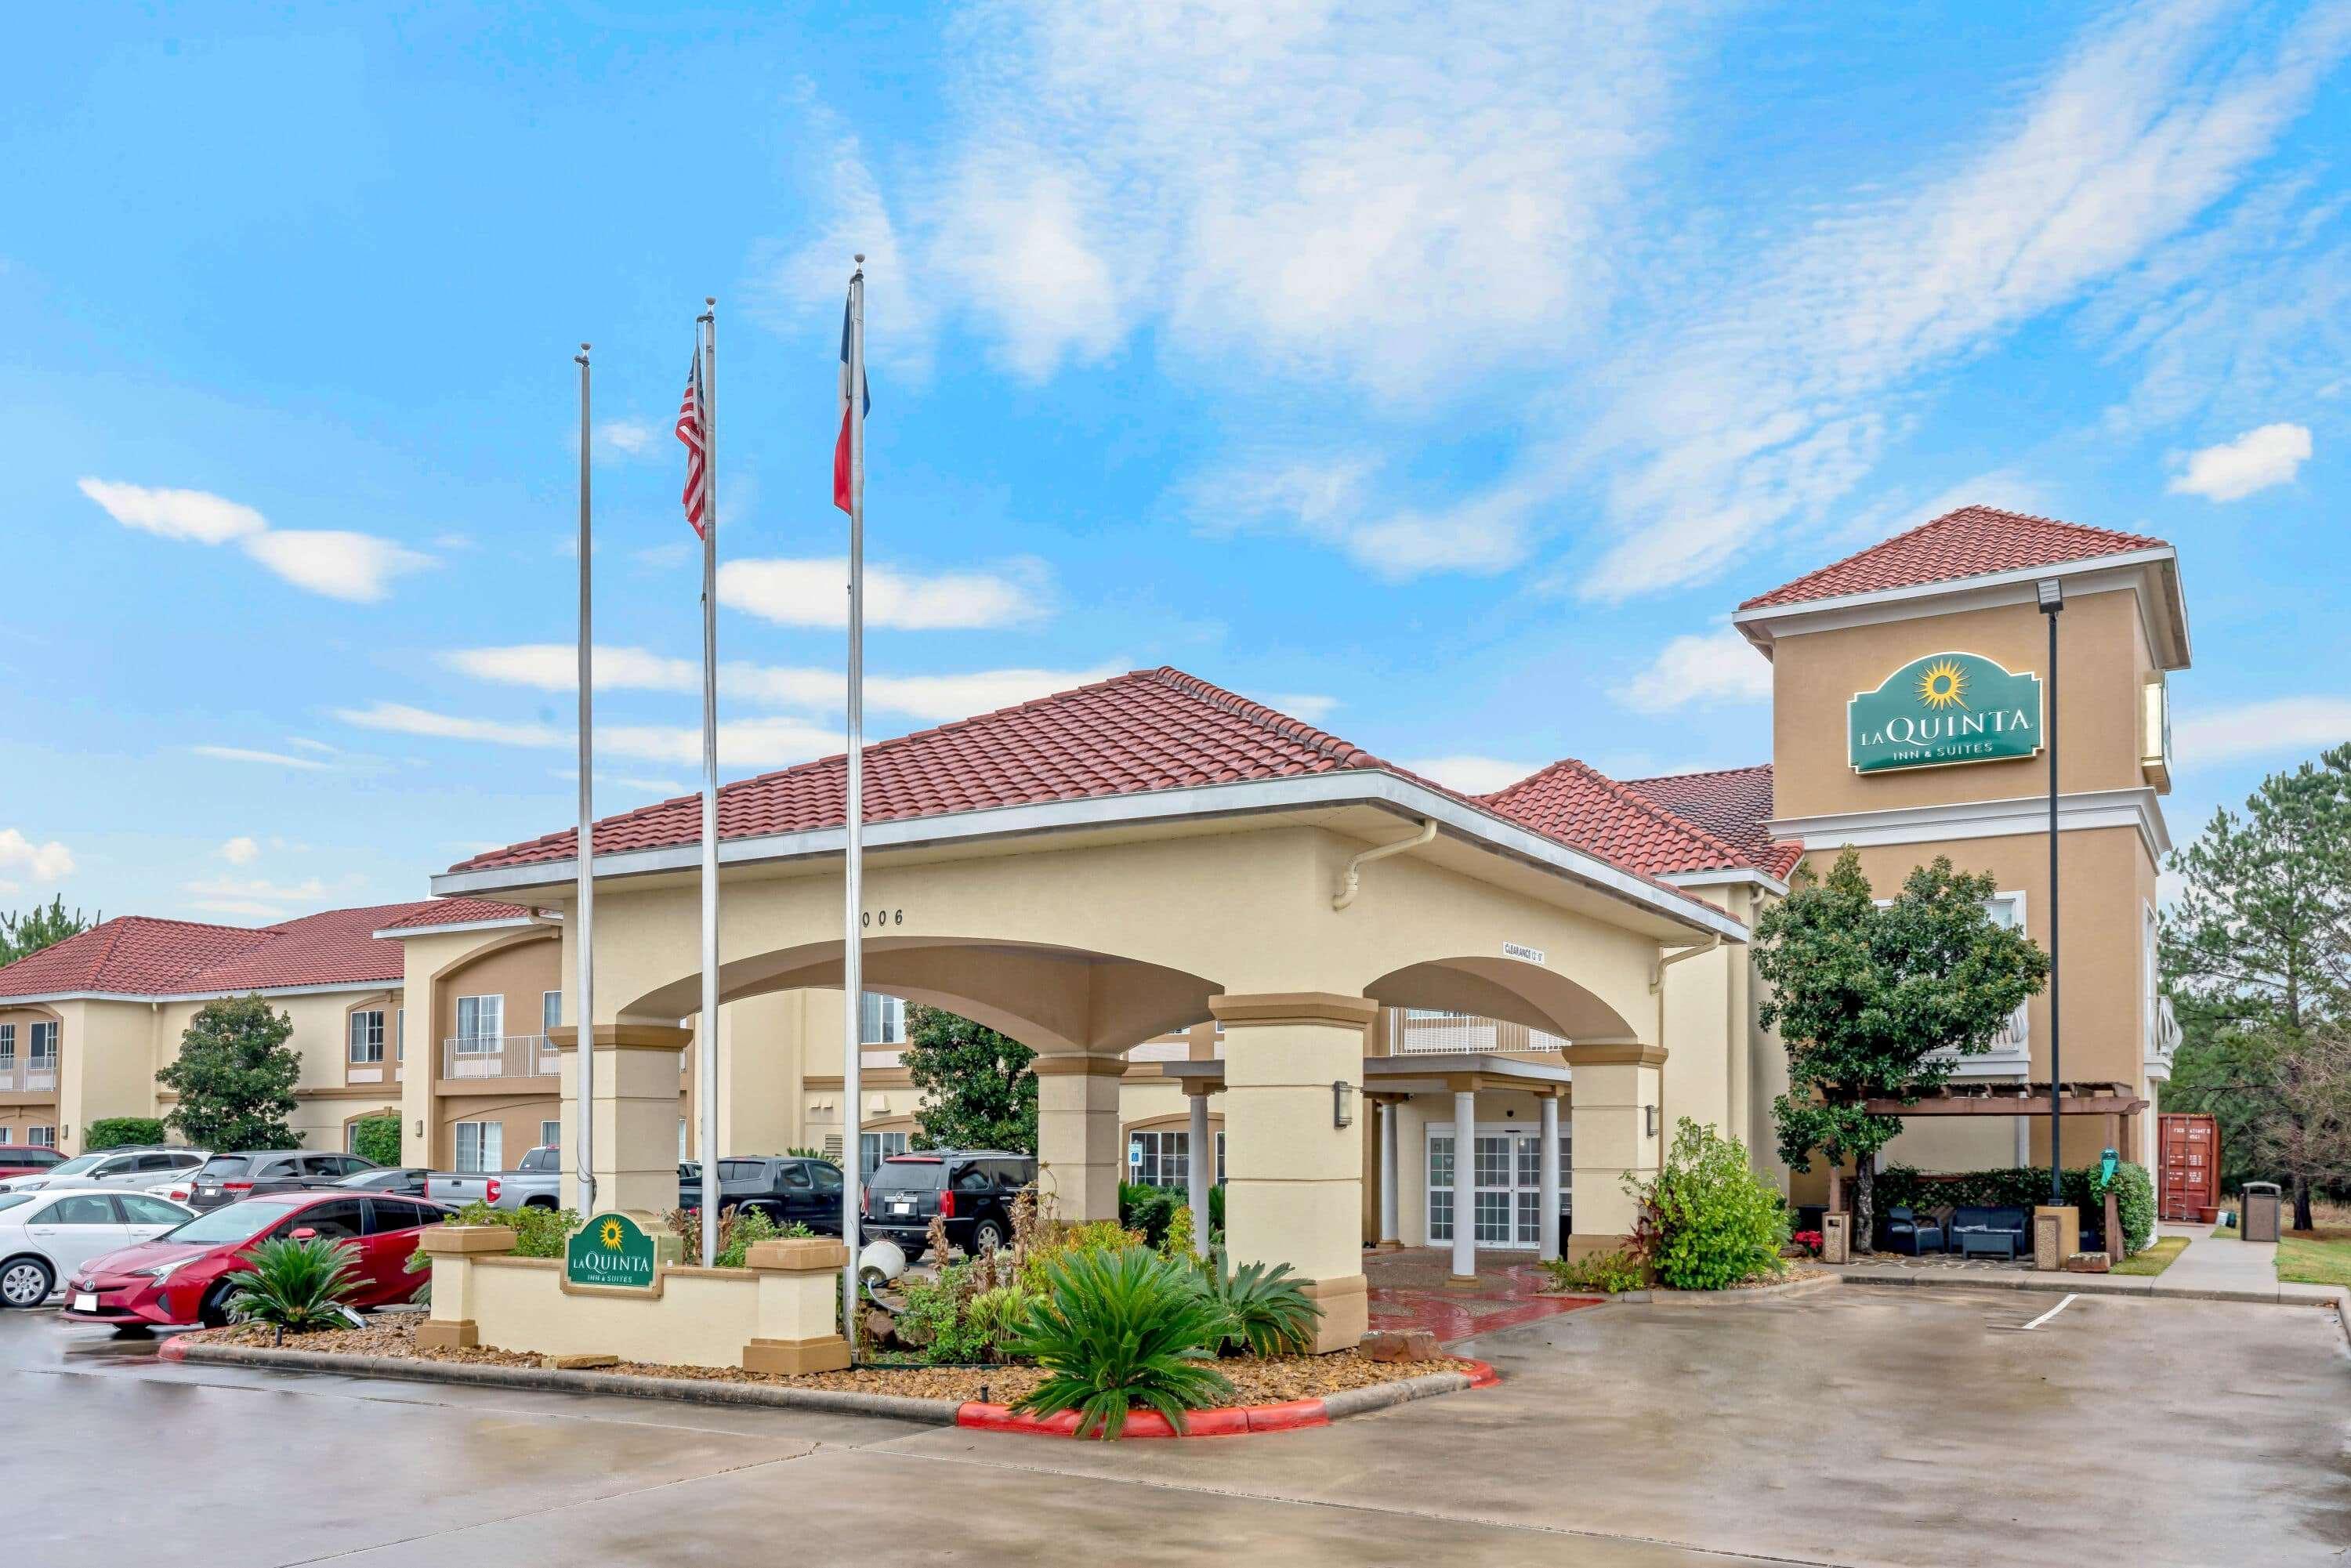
(537, 1183)
(181, 1277)
(45, 1236)
(249, 1173)
(971, 1189)
(28, 1159)
(406, 1181)
(786, 1188)
(131, 1167)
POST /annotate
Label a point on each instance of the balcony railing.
(2010, 1050)
(20, 1075)
(1421, 1034)
(500, 1056)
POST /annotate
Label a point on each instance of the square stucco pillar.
(633, 1115)
(1078, 1153)
(1615, 1098)
(1293, 1180)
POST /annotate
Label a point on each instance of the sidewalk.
(2216, 1269)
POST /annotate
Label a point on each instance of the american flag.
(689, 431)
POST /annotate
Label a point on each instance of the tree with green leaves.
(28, 932)
(1879, 1002)
(376, 1138)
(977, 1090)
(2257, 960)
(235, 1077)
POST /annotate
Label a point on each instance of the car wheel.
(213, 1312)
(538, 1203)
(913, 1249)
(26, 1282)
(986, 1236)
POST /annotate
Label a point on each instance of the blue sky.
(1442, 374)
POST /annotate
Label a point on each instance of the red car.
(28, 1159)
(182, 1276)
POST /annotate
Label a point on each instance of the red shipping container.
(2189, 1187)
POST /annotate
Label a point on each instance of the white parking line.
(2051, 1313)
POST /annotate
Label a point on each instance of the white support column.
(1201, 1168)
(1391, 1237)
(1548, 1164)
(1465, 1184)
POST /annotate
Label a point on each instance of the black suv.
(971, 1189)
(785, 1188)
(249, 1173)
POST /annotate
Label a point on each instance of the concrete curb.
(2152, 1286)
(1658, 1298)
(1236, 1421)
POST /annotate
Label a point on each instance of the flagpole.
(584, 918)
(707, 1035)
(852, 955)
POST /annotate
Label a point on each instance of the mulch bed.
(1269, 1380)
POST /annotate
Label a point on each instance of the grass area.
(2321, 1257)
(2153, 1259)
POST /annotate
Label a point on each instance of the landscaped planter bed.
(1271, 1393)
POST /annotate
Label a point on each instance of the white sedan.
(46, 1234)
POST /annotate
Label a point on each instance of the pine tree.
(39, 927)
(977, 1090)
(235, 1077)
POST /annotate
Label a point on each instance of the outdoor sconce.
(420, 1127)
(1649, 1114)
(1342, 1103)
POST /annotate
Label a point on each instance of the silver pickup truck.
(537, 1183)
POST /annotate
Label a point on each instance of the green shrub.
(1058, 1240)
(539, 1232)
(1149, 1209)
(807, 1154)
(1117, 1330)
(376, 1138)
(1217, 1210)
(297, 1285)
(1176, 1245)
(1605, 1273)
(1708, 1221)
(2026, 1187)
(1262, 1310)
(121, 1132)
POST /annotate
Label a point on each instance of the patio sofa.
(1990, 1232)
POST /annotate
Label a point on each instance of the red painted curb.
(1232, 1422)
(172, 1350)
(1481, 1375)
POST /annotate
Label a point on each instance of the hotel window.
(882, 1019)
(550, 1010)
(550, 1133)
(481, 1145)
(400, 1028)
(8, 1046)
(681, 1139)
(44, 1046)
(875, 1147)
(367, 1037)
(481, 1024)
(7, 1135)
(41, 1137)
(1163, 1158)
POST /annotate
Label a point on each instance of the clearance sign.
(1943, 709)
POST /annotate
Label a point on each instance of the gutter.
(1350, 881)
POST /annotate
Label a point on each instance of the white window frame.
(1436, 1218)
(489, 1145)
(477, 1040)
(8, 1046)
(366, 1037)
(881, 1020)
(43, 1031)
(400, 1028)
(41, 1137)
(550, 1133)
(8, 1136)
(550, 1010)
(873, 1148)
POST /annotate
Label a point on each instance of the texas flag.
(841, 483)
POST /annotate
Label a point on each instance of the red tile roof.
(136, 954)
(454, 912)
(1731, 803)
(1973, 541)
(1587, 808)
(1135, 733)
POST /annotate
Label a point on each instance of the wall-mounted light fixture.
(420, 1127)
(1342, 1103)
(1649, 1114)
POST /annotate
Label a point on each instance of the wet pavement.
(1411, 1289)
(1859, 1425)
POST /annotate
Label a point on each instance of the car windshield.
(909, 1176)
(238, 1222)
(76, 1164)
(223, 1167)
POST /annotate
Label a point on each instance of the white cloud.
(1472, 774)
(42, 863)
(555, 667)
(246, 754)
(258, 897)
(814, 592)
(1307, 706)
(2254, 461)
(1704, 669)
(331, 561)
(341, 565)
(207, 520)
(2275, 727)
(308, 745)
(628, 437)
(398, 718)
(240, 851)
(1335, 501)
(809, 286)
(1778, 398)
(742, 743)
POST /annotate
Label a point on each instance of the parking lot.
(1865, 1425)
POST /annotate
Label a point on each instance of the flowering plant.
(1810, 1241)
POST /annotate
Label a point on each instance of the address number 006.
(873, 918)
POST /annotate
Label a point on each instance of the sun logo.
(1944, 685)
(612, 1236)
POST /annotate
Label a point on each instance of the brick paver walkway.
(1409, 1290)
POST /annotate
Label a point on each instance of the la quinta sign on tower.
(1942, 709)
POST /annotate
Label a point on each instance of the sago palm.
(1117, 1330)
(297, 1285)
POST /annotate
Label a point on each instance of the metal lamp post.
(2053, 599)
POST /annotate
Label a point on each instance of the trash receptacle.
(2261, 1219)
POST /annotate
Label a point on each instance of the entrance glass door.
(1506, 1163)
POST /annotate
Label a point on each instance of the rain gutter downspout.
(1349, 881)
(1657, 983)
